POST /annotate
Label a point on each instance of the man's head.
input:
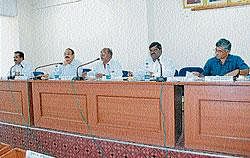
(106, 55)
(223, 48)
(155, 50)
(18, 57)
(69, 55)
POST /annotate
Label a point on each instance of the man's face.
(155, 52)
(68, 56)
(221, 53)
(17, 58)
(105, 56)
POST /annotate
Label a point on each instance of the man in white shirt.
(106, 66)
(158, 60)
(69, 67)
(21, 67)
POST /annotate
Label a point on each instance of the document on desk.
(32, 154)
(219, 78)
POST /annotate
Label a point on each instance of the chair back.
(86, 70)
(124, 73)
(184, 70)
(176, 73)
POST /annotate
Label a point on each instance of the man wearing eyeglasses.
(225, 64)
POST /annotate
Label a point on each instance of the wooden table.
(216, 114)
(128, 111)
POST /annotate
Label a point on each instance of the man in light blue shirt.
(21, 67)
(69, 67)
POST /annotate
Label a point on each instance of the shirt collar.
(158, 59)
(228, 59)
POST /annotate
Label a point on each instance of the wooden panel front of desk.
(128, 111)
(15, 102)
(217, 117)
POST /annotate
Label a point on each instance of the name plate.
(21, 77)
(32, 154)
(219, 78)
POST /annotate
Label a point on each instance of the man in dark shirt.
(224, 63)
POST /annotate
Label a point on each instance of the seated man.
(107, 66)
(158, 60)
(224, 63)
(21, 67)
(69, 67)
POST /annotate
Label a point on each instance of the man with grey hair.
(107, 67)
(224, 63)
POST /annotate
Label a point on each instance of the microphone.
(11, 77)
(47, 65)
(161, 78)
(39, 77)
(77, 74)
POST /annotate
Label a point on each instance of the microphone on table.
(42, 66)
(77, 74)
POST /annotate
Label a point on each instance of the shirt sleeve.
(207, 69)
(117, 68)
(168, 68)
(241, 64)
(27, 70)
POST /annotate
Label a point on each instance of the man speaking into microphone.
(21, 67)
(159, 65)
(107, 67)
(68, 69)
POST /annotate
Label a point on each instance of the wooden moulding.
(215, 6)
(4, 148)
(14, 153)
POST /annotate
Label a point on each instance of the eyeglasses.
(220, 50)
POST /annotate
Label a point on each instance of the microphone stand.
(11, 77)
(77, 74)
(38, 77)
(47, 65)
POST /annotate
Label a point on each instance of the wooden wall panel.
(60, 105)
(217, 118)
(15, 102)
(133, 113)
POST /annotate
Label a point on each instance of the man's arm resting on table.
(244, 72)
(238, 72)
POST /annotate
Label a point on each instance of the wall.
(190, 37)
(8, 7)
(89, 26)
(9, 42)
(128, 27)
(26, 29)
